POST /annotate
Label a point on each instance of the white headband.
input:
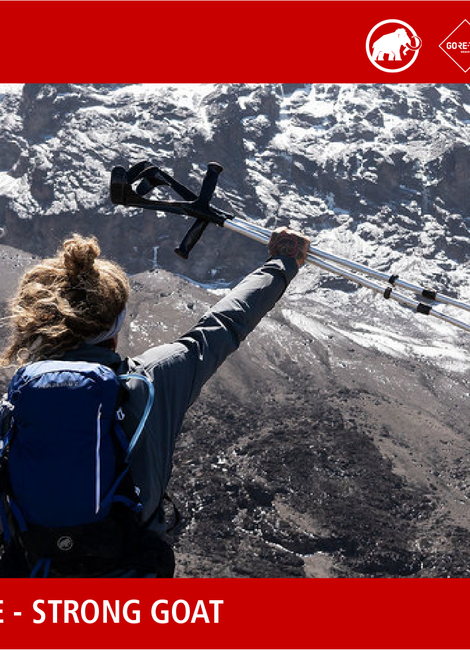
(111, 332)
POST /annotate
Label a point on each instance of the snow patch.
(307, 324)
(9, 185)
(10, 89)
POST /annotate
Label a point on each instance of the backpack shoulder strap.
(6, 420)
(6, 434)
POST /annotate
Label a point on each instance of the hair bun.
(79, 254)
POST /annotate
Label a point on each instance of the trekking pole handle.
(202, 202)
(209, 183)
(191, 238)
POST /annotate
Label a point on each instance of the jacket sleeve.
(190, 361)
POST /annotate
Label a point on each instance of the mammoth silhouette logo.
(393, 45)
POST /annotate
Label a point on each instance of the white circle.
(384, 22)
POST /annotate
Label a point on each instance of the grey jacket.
(179, 370)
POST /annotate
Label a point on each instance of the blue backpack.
(64, 464)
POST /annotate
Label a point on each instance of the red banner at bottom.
(246, 613)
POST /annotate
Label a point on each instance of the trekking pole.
(394, 280)
(198, 206)
(263, 235)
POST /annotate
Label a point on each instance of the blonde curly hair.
(64, 301)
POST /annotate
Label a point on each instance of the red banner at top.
(237, 42)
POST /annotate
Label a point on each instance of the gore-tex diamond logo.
(457, 45)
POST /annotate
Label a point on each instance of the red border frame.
(236, 42)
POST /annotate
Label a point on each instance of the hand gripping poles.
(147, 177)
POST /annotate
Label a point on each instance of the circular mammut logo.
(392, 45)
(65, 543)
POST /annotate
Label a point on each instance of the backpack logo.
(393, 45)
(65, 543)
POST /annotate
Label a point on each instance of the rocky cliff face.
(386, 162)
(334, 442)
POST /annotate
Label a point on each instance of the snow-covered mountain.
(378, 174)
